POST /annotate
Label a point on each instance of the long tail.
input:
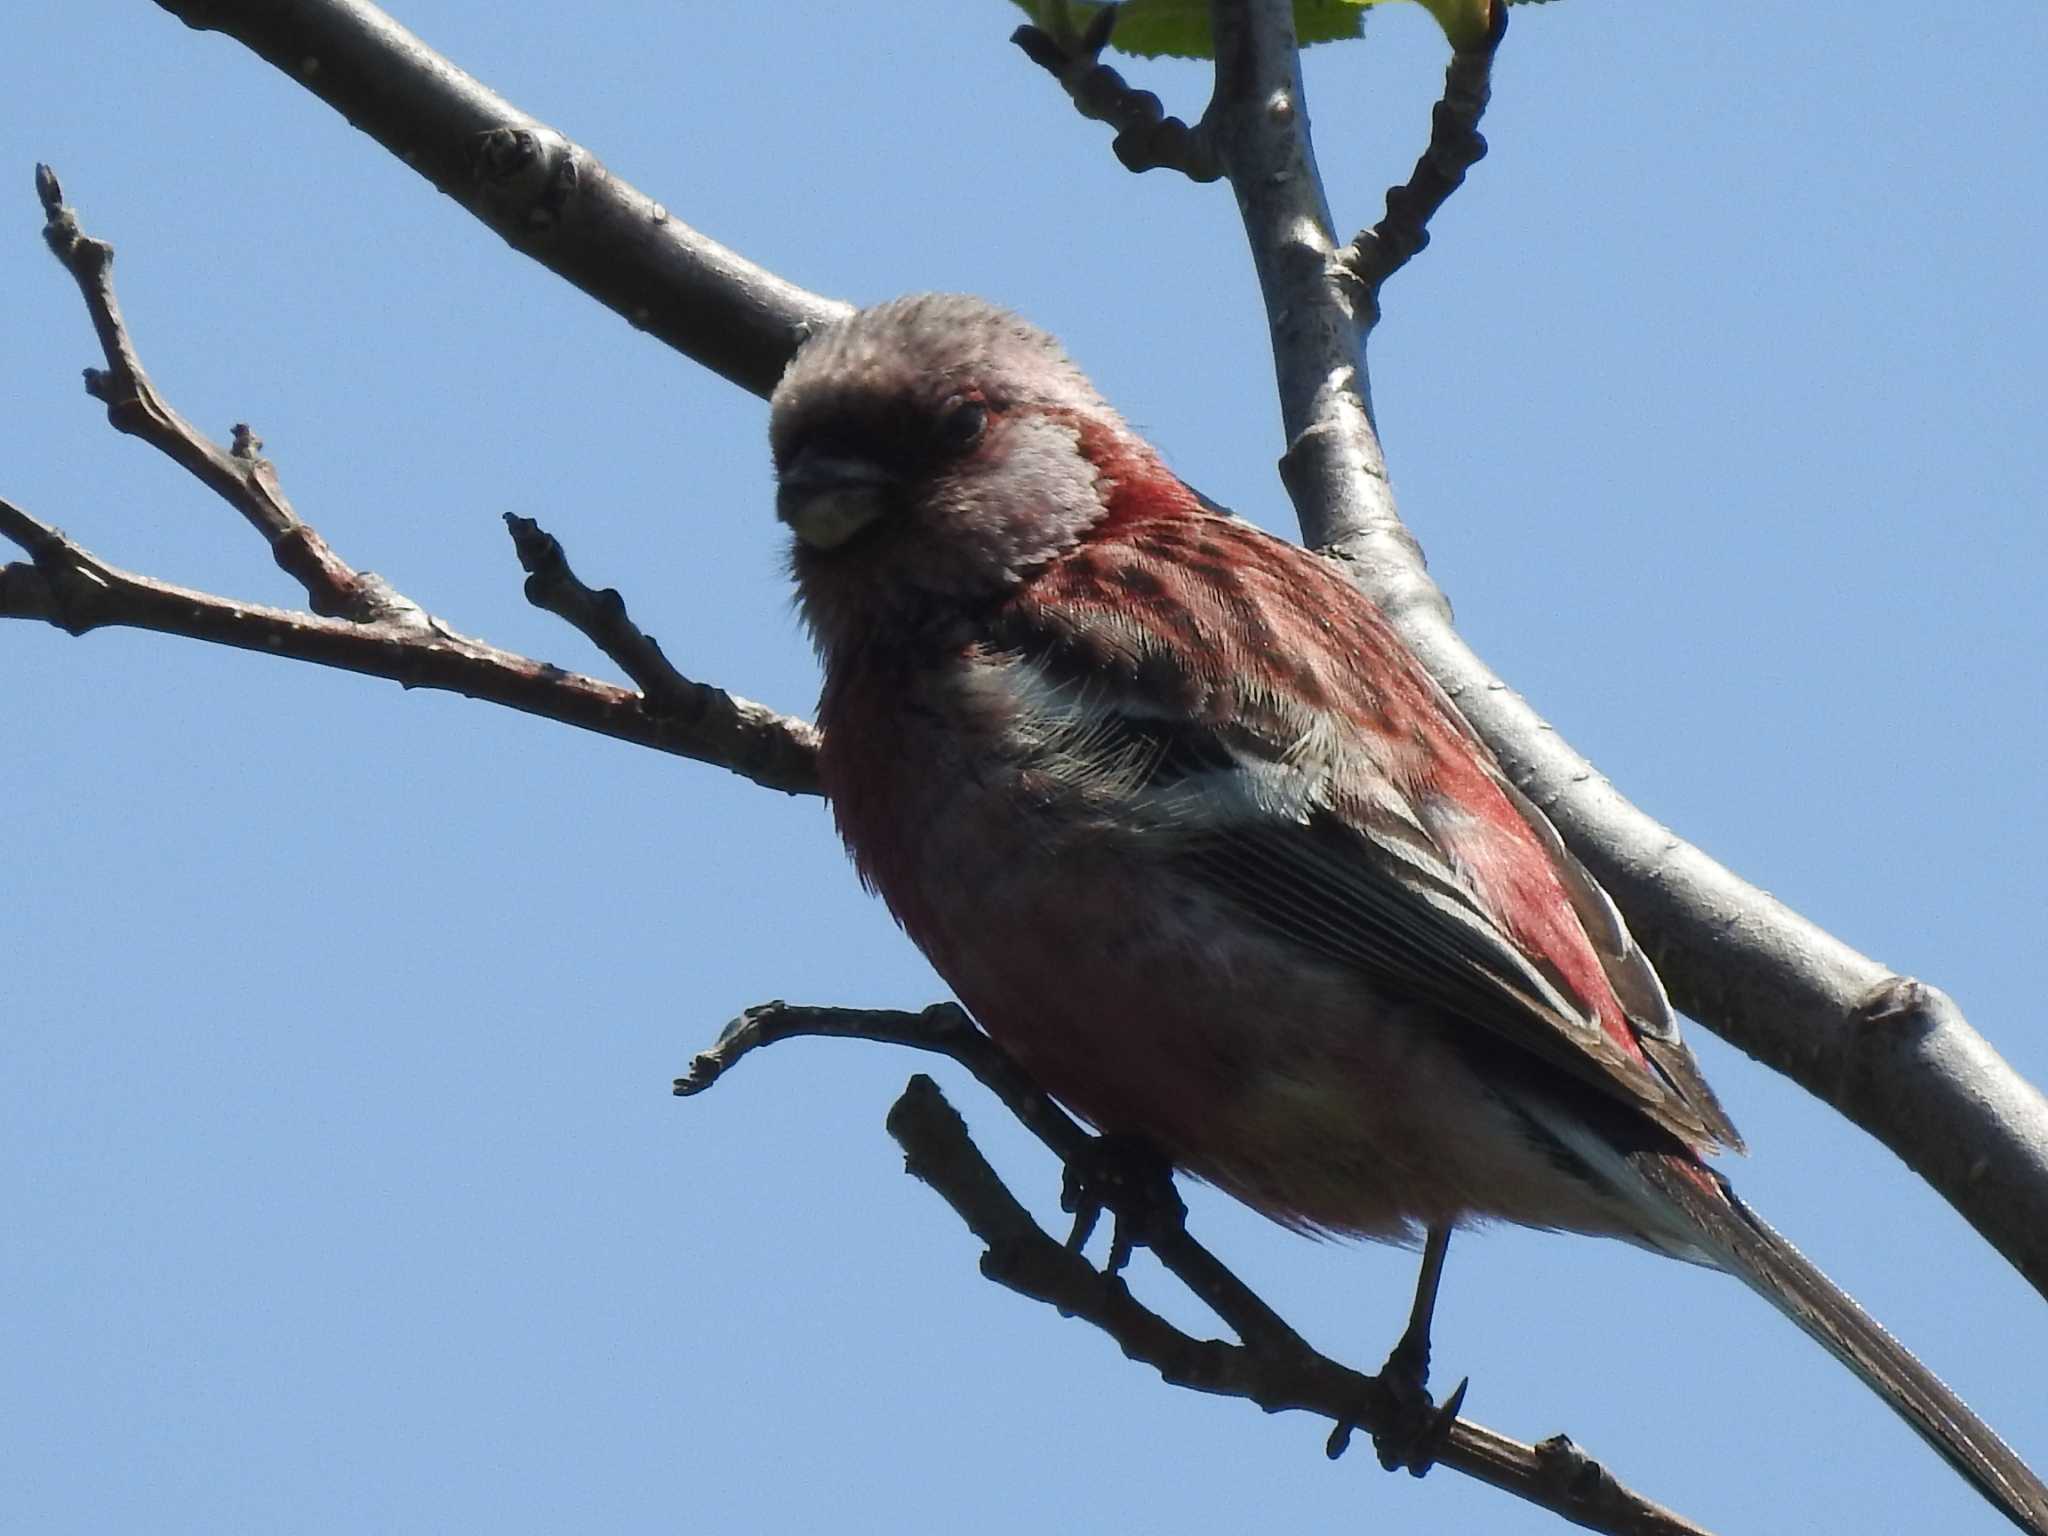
(1739, 1241)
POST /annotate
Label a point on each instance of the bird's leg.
(1420, 1427)
(1131, 1179)
(1408, 1365)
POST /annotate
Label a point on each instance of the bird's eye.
(961, 426)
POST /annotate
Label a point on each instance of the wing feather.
(1357, 815)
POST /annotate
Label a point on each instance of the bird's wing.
(1234, 694)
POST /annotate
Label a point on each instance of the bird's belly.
(1141, 1000)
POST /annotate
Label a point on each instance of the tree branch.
(364, 624)
(1272, 1366)
(547, 196)
(1894, 1055)
(1455, 146)
(1146, 138)
(246, 481)
(68, 586)
(601, 617)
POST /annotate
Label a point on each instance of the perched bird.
(1190, 831)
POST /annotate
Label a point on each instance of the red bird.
(1193, 835)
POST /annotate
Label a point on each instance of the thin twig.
(68, 586)
(946, 1029)
(1147, 139)
(386, 634)
(1271, 1366)
(601, 616)
(1455, 146)
(239, 474)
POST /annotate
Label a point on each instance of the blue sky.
(343, 1189)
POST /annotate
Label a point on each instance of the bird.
(1195, 838)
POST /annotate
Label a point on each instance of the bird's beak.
(826, 498)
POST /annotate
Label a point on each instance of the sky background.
(341, 1188)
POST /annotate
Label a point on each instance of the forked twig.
(1271, 1365)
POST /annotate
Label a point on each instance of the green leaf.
(1180, 28)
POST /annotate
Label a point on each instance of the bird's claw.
(1417, 1429)
(1421, 1429)
(1132, 1180)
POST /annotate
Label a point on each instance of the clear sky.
(340, 1184)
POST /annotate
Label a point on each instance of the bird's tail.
(1735, 1239)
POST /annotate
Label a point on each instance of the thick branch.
(548, 197)
(1892, 1054)
(1260, 118)
(1272, 1367)
(69, 587)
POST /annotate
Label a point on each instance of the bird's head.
(930, 453)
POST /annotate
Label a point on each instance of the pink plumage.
(1194, 836)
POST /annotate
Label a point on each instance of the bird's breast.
(1133, 992)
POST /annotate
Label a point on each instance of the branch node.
(72, 578)
(1573, 1475)
(1903, 1007)
(525, 173)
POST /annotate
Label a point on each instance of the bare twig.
(946, 1029)
(601, 616)
(1455, 146)
(70, 587)
(244, 479)
(1146, 138)
(386, 634)
(1272, 1366)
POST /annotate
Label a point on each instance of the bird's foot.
(1415, 1429)
(1131, 1179)
(1420, 1428)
